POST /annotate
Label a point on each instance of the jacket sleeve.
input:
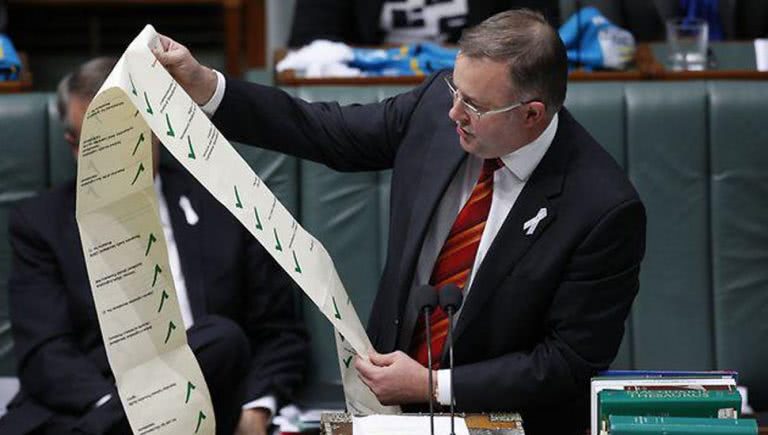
(52, 368)
(585, 324)
(278, 338)
(346, 138)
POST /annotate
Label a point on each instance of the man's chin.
(468, 144)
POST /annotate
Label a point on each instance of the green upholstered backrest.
(738, 183)
(23, 173)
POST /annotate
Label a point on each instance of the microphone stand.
(425, 298)
(429, 367)
(450, 360)
(451, 297)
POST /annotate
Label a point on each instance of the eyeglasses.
(471, 108)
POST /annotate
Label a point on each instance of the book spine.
(670, 403)
(638, 425)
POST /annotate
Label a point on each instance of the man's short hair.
(531, 47)
(84, 82)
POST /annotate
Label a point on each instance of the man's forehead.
(481, 78)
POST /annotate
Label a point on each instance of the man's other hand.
(395, 378)
(199, 81)
(253, 422)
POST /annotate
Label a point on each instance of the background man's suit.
(545, 311)
(246, 335)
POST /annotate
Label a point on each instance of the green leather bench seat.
(696, 151)
(738, 178)
(23, 172)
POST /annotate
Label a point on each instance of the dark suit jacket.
(62, 363)
(356, 22)
(546, 311)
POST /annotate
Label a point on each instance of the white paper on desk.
(406, 425)
(761, 54)
(160, 384)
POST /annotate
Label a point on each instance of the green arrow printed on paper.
(190, 387)
(295, 260)
(191, 154)
(157, 272)
(149, 106)
(335, 308)
(258, 221)
(347, 361)
(139, 171)
(170, 131)
(279, 247)
(200, 418)
(171, 327)
(238, 203)
(136, 148)
(152, 240)
(133, 87)
(163, 297)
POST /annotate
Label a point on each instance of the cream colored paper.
(158, 379)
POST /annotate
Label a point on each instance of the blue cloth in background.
(421, 58)
(10, 64)
(593, 42)
(708, 10)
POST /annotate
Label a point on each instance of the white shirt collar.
(524, 160)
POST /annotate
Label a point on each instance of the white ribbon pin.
(189, 212)
(530, 226)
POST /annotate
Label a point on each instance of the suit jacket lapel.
(440, 163)
(512, 240)
(188, 237)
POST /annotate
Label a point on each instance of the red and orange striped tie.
(455, 261)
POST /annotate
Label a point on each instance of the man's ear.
(535, 112)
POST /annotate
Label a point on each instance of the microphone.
(451, 298)
(425, 299)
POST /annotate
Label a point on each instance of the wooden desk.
(340, 423)
(24, 84)
(244, 24)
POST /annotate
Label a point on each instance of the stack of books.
(669, 402)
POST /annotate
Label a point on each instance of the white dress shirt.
(508, 182)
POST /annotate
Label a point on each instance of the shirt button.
(396, 322)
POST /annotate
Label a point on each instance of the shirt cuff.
(267, 402)
(444, 387)
(99, 403)
(210, 107)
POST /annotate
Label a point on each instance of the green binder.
(670, 403)
(639, 425)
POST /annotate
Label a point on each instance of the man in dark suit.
(495, 188)
(374, 22)
(237, 304)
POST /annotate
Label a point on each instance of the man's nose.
(457, 112)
